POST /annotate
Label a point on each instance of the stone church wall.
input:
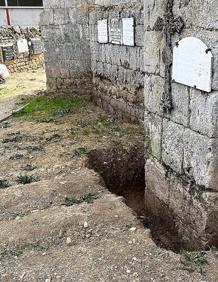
(181, 121)
(75, 61)
(118, 70)
(65, 32)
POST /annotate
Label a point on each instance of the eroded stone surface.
(184, 140)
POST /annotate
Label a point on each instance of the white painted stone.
(128, 31)
(103, 31)
(192, 65)
(4, 71)
(22, 46)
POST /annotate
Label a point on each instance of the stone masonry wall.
(182, 172)
(23, 61)
(75, 61)
(118, 70)
(65, 32)
(181, 122)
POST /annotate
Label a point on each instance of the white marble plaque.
(22, 46)
(115, 31)
(103, 31)
(128, 31)
(192, 64)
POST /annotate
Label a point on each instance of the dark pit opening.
(123, 171)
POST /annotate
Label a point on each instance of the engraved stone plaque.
(115, 31)
(8, 52)
(128, 31)
(103, 31)
(192, 64)
(22, 46)
(37, 46)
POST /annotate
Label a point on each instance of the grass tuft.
(46, 108)
(146, 221)
(88, 198)
(4, 184)
(25, 179)
(194, 261)
(79, 152)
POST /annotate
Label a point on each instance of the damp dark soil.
(122, 170)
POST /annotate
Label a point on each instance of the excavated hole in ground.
(124, 175)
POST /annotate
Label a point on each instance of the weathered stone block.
(47, 17)
(175, 202)
(180, 97)
(152, 10)
(61, 16)
(154, 88)
(139, 35)
(156, 181)
(215, 68)
(195, 213)
(55, 4)
(201, 14)
(78, 16)
(200, 159)
(152, 54)
(153, 129)
(173, 145)
(204, 112)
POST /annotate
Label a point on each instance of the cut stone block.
(173, 145)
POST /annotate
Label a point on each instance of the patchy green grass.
(130, 225)
(13, 137)
(4, 184)
(25, 179)
(79, 152)
(88, 198)
(39, 246)
(102, 126)
(68, 202)
(10, 90)
(46, 108)
(194, 261)
(146, 221)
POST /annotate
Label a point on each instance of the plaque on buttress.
(192, 64)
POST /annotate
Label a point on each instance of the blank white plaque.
(103, 31)
(128, 31)
(192, 64)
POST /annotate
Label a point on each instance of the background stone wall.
(65, 32)
(75, 61)
(118, 70)
(180, 121)
(182, 172)
(23, 61)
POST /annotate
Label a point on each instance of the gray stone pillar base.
(187, 208)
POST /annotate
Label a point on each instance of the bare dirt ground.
(58, 220)
(19, 85)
